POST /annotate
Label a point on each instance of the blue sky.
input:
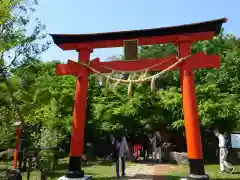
(91, 16)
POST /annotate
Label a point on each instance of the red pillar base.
(196, 166)
(75, 168)
(196, 170)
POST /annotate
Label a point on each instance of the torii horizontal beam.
(197, 61)
(143, 40)
(190, 32)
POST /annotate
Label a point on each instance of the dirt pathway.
(152, 172)
(140, 172)
(167, 171)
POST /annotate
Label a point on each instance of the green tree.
(17, 46)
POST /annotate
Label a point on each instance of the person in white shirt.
(223, 152)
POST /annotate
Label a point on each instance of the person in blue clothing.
(119, 151)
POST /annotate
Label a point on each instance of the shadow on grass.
(2, 170)
(106, 163)
(55, 174)
(152, 162)
(143, 177)
(225, 178)
(64, 166)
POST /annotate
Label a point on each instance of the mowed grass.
(97, 169)
(106, 171)
(211, 170)
(98, 172)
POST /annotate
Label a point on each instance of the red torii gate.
(182, 36)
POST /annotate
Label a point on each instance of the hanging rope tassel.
(145, 74)
(116, 84)
(130, 89)
(153, 84)
(129, 77)
(142, 77)
(122, 81)
(107, 86)
(99, 80)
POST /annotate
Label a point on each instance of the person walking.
(223, 153)
(123, 152)
(120, 150)
(150, 146)
(156, 142)
(145, 143)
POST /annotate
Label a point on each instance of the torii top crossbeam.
(196, 31)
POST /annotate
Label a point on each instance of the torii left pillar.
(79, 116)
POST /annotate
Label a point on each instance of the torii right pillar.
(191, 121)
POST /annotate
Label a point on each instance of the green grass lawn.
(107, 172)
(98, 170)
(212, 171)
(103, 171)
